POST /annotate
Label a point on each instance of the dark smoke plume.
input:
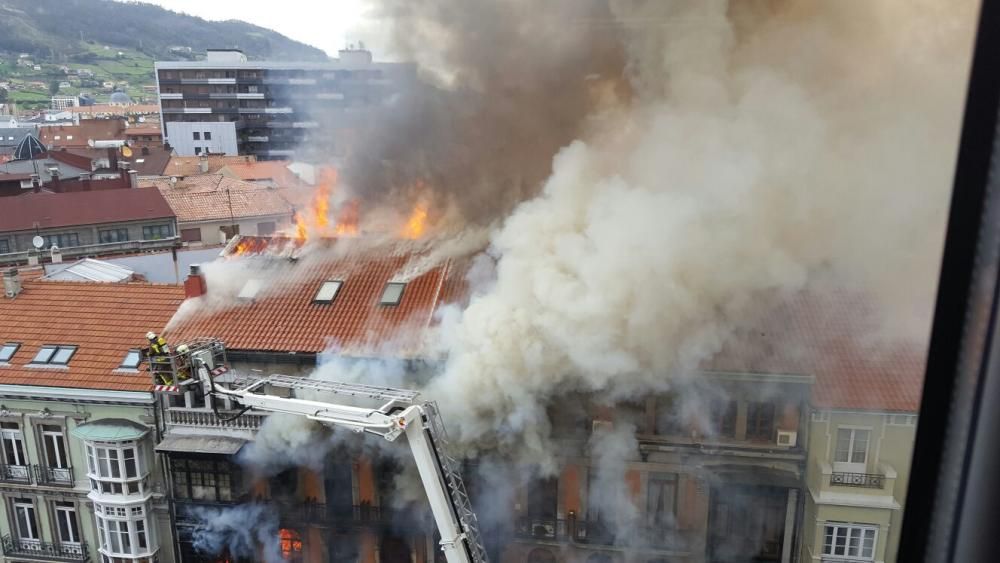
(503, 86)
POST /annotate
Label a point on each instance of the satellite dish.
(38, 242)
(90, 143)
(126, 152)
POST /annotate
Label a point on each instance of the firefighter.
(159, 358)
(183, 363)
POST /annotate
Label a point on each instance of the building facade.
(226, 103)
(78, 478)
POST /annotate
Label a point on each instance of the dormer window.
(392, 294)
(328, 291)
(8, 350)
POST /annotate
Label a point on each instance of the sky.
(330, 28)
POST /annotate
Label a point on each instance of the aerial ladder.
(400, 413)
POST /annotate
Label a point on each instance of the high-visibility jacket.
(158, 346)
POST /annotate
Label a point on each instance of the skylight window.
(132, 359)
(250, 289)
(54, 355)
(392, 294)
(7, 351)
(328, 291)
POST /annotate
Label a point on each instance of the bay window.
(850, 540)
(123, 530)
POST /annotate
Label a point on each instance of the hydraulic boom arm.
(420, 422)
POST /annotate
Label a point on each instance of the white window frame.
(58, 438)
(852, 465)
(13, 347)
(121, 526)
(67, 515)
(328, 291)
(16, 437)
(29, 536)
(848, 551)
(389, 296)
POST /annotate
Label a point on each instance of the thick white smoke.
(243, 531)
(766, 149)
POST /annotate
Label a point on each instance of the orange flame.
(417, 223)
(321, 206)
(347, 219)
(301, 229)
(291, 542)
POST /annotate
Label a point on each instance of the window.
(208, 135)
(328, 291)
(191, 235)
(68, 528)
(266, 229)
(392, 294)
(156, 232)
(196, 135)
(725, 411)
(8, 350)
(852, 445)
(112, 235)
(661, 499)
(63, 240)
(55, 446)
(850, 540)
(24, 514)
(132, 359)
(760, 421)
(4, 246)
(230, 230)
(13, 444)
(197, 150)
(250, 289)
(69, 137)
(115, 461)
(58, 355)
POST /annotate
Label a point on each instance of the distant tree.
(54, 87)
(3, 95)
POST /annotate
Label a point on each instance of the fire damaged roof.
(280, 313)
(104, 321)
(837, 336)
(191, 165)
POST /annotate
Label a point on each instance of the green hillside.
(117, 42)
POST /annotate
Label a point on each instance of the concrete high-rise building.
(228, 104)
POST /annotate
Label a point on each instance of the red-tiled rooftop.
(103, 320)
(275, 171)
(211, 197)
(837, 337)
(48, 210)
(191, 165)
(283, 317)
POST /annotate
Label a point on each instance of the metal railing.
(865, 480)
(44, 551)
(597, 532)
(95, 249)
(54, 476)
(836, 559)
(207, 419)
(15, 473)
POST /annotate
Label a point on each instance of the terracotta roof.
(87, 130)
(283, 317)
(275, 171)
(191, 165)
(205, 198)
(21, 213)
(838, 337)
(104, 320)
(143, 130)
(116, 109)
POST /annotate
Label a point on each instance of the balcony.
(44, 551)
(15, 473)
(597, 533)
(866, 480)
(54, 476)
(207, 419)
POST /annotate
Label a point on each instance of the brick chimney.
(11, 283)
(194, 285)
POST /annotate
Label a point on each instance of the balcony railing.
(596, 532)
(54, 476)
(208, 419)
(15, 473)
(44, 551)
(835, 559)
(866, 480)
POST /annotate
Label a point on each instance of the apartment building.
(92, 223)
(282, 325)
(862, 430)
(228, 104)
(78, 478)
(212, 208)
